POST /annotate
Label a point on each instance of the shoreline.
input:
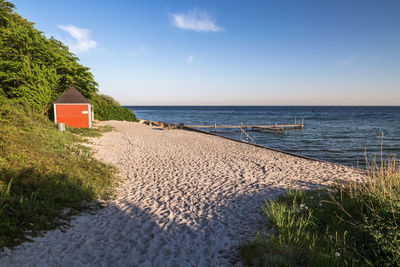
(176, 126)
(330, 133)
(186, 199)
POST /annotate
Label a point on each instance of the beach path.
(186, 199)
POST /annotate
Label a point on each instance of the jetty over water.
(276, 128)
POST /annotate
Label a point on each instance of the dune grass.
(43, 174)
(345, 225)
(95, 131)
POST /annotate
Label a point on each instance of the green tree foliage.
(35, 84)
(34, 68)
(106, 108)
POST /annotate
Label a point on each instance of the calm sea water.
(336, 134)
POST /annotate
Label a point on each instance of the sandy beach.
(187, 199)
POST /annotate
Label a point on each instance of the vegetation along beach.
(237, 143)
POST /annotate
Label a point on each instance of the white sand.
(188, 199)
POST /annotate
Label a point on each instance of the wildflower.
(305, 207)
(312, 197)
(302, 206)
(337, 254)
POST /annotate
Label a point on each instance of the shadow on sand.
(123, 234)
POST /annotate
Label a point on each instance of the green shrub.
(42, 172)
(106, 108)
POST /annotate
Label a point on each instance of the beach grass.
(45, 175)
(348, 224)
(95, 131)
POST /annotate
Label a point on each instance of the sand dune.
(187, 200)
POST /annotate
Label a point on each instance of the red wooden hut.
(73, 109)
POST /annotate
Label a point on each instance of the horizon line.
(261, 105)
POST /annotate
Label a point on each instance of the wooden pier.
(277, 128)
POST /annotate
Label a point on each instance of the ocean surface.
(338, 134)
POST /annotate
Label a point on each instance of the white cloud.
(190, 59)
(82, 42)
(195, 20)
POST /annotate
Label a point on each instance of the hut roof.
(72, 96)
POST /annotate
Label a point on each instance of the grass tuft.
(346, 225)
(95, 131)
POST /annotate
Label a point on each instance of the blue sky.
(232, 52)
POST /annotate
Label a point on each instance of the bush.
(106, 108)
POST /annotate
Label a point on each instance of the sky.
(229, 52)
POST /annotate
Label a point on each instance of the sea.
(342, 134)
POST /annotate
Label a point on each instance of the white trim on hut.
(55, 114)
(89, 116)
